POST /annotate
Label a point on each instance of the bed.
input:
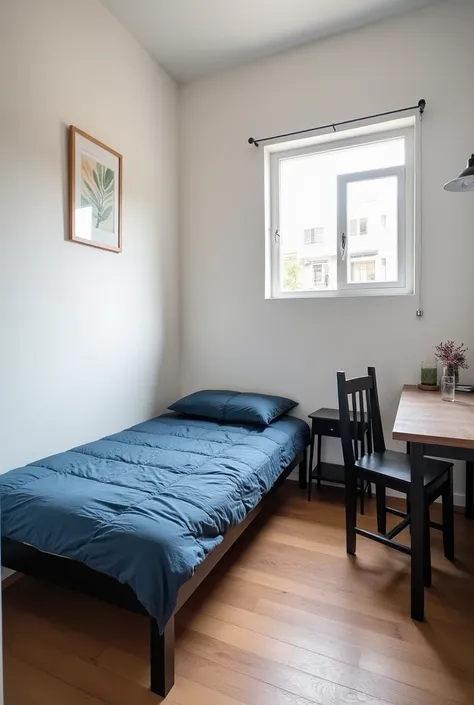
(139, 518)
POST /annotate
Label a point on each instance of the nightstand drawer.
(326, 427)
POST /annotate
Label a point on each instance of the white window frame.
(408, 210)
(343, 180)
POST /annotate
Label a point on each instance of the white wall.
(232, 336)
(89, 338)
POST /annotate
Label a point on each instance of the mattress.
(146, 505)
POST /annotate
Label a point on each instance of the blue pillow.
(234, 407)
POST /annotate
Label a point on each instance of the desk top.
(423, 417)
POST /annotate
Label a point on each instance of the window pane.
(308, 211)
(372, 249)
(363, 271)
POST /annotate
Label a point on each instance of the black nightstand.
(325, 422)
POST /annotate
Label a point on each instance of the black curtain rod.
(421, 105)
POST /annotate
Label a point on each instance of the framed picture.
(95, 192)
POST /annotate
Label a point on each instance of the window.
(363, 271)
(363, 189)
(313, 236)
(320, 274)
(358, 226)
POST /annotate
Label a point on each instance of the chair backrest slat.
(345, 421)
(361, 427)
(369, 423)
(361, 422)
(377, 429)
(354, 425)
(357, 384)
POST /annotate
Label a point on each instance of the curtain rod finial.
(252, 141)
(422, 105)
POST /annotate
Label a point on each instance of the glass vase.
(451, 371)
(448, 387)
(429, 373)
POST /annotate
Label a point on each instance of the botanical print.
(95, 192)
(98, 192)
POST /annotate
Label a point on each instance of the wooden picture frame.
(95, 192)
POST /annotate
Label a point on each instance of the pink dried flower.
(451, 355)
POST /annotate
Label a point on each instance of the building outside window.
(363, 271)
(320, 274)
(313, 236)
(358, 226)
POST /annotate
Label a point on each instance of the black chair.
(387, 469)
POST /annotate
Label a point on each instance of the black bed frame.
(71, 574)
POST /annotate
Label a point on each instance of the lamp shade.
(465, 180)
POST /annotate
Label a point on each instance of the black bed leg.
(162, 658)
(303, 470)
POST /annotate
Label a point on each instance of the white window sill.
(340, 294)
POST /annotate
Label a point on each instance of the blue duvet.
(147, 505)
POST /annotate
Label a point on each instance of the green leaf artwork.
(98, 192)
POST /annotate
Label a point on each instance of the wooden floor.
(290, 620)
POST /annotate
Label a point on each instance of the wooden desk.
(437, 428)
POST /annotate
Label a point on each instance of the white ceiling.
(192, 38)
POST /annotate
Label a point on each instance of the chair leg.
(427, 550)
(369, 490)
(351, 510)
(448, 519)
(470, 489)
(362, 496)
(380, 494)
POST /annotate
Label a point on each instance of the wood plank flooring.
(288, 619)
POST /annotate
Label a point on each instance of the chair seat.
(396, 466)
